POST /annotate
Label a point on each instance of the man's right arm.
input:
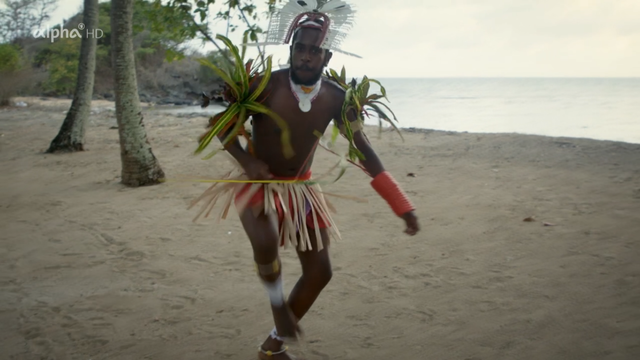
(254, 168)
(235, 149)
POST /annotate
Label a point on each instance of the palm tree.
(70, 138)
(139, 165)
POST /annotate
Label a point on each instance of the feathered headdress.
(334, 18)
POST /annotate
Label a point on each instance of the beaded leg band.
(268, 269)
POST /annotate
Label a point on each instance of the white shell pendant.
(305, 105)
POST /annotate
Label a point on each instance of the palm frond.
(382, 89)
(386, 106)
(239, 80)
(217, 127)
(237, 127)
(358, 98)
(382, 116)
(263, 83)
(285, 136)
(334, 135)
(223, 75)
(239, 65)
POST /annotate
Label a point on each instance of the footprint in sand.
(153, 274)
(134, 255)
(32, 333)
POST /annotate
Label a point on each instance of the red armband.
(385, 185)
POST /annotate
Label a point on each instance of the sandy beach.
(94, 270)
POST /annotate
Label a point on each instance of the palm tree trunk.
(70, 138)
(139, 166)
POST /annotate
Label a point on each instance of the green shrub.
(62, 64)
(9, 72)
(9, 58)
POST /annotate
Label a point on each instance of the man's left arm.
(383, 182)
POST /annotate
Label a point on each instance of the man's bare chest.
(282, 102)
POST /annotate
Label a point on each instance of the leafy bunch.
(360, 102)
(240, 81)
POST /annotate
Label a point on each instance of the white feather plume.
(339, 12)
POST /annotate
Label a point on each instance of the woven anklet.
(271, 353)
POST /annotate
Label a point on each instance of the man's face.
(307, 60)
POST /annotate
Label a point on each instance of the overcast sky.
(483, 38)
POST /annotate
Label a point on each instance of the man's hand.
(257, 169)
(412, 223)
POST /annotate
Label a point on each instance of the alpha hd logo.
(62, 33)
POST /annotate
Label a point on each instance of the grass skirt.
(300, 206)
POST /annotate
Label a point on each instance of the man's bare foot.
(286, 322)
(272, 349)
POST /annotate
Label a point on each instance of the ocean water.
(595, 108)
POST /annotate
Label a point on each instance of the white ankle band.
(275, 291)
(274, 335)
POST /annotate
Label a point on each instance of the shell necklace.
(305, 94)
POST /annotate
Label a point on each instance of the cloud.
(433, 38)
(500, 38)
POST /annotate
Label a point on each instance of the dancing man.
(283, 213)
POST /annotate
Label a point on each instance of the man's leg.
(263, 234)
(316, 274)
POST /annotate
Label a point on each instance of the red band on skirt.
(258, 200)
